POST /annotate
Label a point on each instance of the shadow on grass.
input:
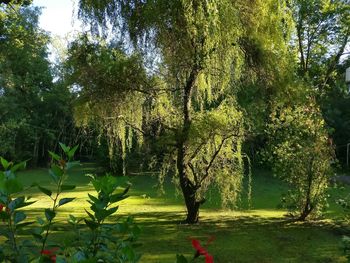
(260, 235)
(239, 239)
(243, 238)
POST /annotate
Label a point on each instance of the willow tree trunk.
(188, 188)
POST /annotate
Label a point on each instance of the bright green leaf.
(64, 148)
(49, 214)
(45, 190)
(18, 217)
(64, 201)
(55, 156)
(5, 164)
(66, 187)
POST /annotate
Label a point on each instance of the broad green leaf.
(5, 164)
(66, 187)
(64, 201)
(91, 224)
(49, 214)
(56, 170)
(55, 156)
(181, 259)
(13, 186)
(21, 225)
(72, 219)
(18, 217)
(40, 221)
(26, 204)
(93, 198)
(72, 151)
(103, 214)
(64, 148)
(53, 176)
(90, 215)
(19, 166)
(16, 203)
(45, 190)
(118, 197)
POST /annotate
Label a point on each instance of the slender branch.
(196, 151)
(206, 174)
(300, 42)
(194, 173)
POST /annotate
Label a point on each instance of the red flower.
(50, 253)
(1, 207)
(46, 252)
(201, 251)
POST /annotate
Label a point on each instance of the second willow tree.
(196, 59)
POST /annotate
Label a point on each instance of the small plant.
(59, 173)
(11, 200)
(109, 242)
(96, 240)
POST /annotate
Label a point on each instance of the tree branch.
(194, 173)
(214, 157)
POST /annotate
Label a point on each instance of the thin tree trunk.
(308, 206)
(187, 187)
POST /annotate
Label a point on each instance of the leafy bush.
(301, 155)
(94, 241)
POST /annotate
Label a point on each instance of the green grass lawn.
(257, 235)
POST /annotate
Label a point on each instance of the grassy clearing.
(257, 235)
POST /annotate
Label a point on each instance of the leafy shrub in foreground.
(94, 241)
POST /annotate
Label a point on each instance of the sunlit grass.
(258, 235)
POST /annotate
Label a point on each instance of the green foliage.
(109, 81)
(215, 152)
(301, 155)
(11, 200)
(106, 241)
(35, 113)
(322, 34)
(197, 57)
(60, 168)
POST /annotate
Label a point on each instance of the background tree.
(35, 112)
(322, 30)
(321, 37)
(301, 155)
(108, 82)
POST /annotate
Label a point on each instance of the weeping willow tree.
(107, 82)
(196, 53)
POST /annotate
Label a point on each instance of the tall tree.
(322, 36)
(34, 110)
(198, 46)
